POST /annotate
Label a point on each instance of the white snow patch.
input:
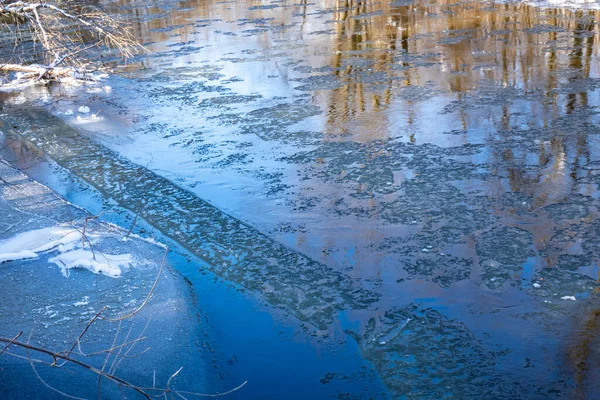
(69, 112)
(21, 255)
(536, 285)
(568, 298)
(84, 302)
(84, 109)
(29, 244)
(103, 264)
(66, 241)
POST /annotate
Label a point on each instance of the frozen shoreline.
(40, 241)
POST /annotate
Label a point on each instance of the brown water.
(422, 176)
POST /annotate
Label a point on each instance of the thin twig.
(132, 346)
(202, 394)
(112, 368)
(111, 350)
(11, 342)
(173, 376)
(119, 381)
(47, 384)
(162, 264)
(86, 329)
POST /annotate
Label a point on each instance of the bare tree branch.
(58, 356)
(121, 382)
(45, 30)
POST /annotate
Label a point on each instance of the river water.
(410, 184)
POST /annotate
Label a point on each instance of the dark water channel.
(412, 185)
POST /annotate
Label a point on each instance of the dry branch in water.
(73, 357)
(46, 32)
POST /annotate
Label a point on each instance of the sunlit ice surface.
(428, 167)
